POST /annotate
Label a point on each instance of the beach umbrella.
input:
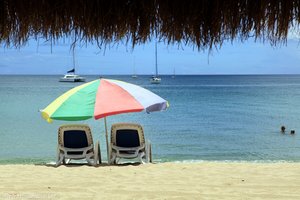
(101, 98)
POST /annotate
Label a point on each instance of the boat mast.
(156, 71)
(134, 73)
(74, 59)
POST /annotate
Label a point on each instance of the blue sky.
(232, 58)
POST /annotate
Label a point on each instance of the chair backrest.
(75, 136)
(127, 135)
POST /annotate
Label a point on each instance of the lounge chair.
(75, 142)
(128, 141)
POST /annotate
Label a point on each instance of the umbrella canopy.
(101, 98)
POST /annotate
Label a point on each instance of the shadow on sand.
(86, 164)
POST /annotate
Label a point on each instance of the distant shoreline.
(149, 75)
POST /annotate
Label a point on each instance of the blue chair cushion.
(127, 138)
(75, 139)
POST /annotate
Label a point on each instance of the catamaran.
(71, 76)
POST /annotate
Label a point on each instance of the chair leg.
(113, 158)
(61, 160)
(142, 161)
(66, 161)
(96, 155)
(59, 157)
(142, 156)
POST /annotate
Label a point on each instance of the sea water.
(210, 118)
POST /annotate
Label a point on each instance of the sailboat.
(71, 76)
(173, 76)
(155, 79)
(134, 73)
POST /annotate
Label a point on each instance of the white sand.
(208, 180)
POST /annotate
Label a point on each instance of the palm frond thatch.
(203, 23)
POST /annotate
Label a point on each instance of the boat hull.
(155, 80)
(72, 80)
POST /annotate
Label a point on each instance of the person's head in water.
(282, 129)
(292, 132)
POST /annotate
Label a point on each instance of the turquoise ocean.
(210, 118)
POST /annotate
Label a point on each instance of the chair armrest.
(85, 149)
(127, 148)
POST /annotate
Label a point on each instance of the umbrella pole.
(107, 145)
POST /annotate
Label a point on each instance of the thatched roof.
(203, 23)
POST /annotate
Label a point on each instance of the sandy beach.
(207, 180)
